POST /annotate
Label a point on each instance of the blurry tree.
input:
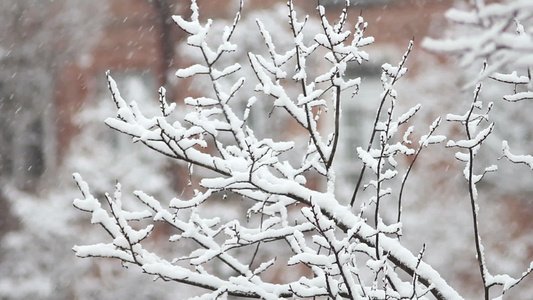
(37, 39)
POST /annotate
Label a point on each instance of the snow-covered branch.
(499, 34)
(289, 216)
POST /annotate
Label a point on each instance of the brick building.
(139, 40)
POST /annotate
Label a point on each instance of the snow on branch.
(518, 159)
(498, 34)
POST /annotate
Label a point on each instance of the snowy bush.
(342, 246)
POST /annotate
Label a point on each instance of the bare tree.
(495, 38)
(348, 251)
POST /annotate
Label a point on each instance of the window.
(27, 147)
(357, 116)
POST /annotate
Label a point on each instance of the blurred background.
(54, 100)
